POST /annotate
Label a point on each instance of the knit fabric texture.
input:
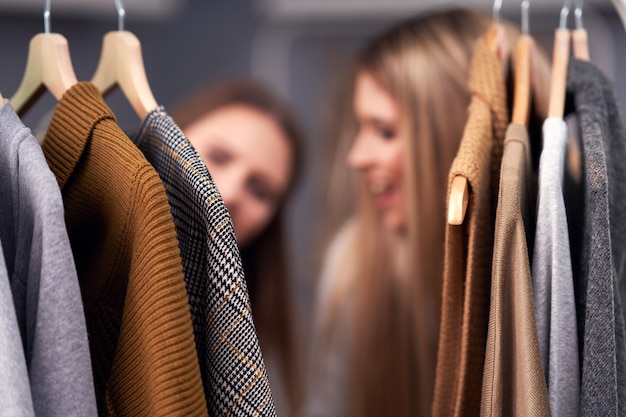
(469, 247)
(553, 282)
(15, 396)
(513, 381)
(233, 371)
(603, 261)
(128, 262)
(41, 271)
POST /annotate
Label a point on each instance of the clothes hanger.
(459, 190)
(523, 57)
(560, 60)
(121, 65)
(620, 7)
(48, 66)
(579, 35)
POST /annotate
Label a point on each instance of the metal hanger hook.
(578, 13)
(525, 17)
(121, 14)
(46, 17)
(564, 14)
(497, 5)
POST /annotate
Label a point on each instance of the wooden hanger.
(48, 66)
(620, 7)
(560, 60)
(459, 190)
(579, 35)
(121, 65)
(523, 57)
(522, 92)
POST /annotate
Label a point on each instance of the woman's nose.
(361, 155)
(230, 189)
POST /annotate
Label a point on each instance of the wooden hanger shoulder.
(121, 64)
(48, 66)
(581, 44)
(558, 79)
(522, 92)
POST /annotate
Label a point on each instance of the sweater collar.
(486, 79)
(77, 113)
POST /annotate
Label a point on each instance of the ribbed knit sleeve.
(469, 247)
(128, 263)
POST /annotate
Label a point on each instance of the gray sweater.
(15, 396)
(553, 284)
(42, 276)
(603, 260)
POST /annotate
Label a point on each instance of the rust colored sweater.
(124, 244)
(469, 247)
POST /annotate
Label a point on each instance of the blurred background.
(302, 48)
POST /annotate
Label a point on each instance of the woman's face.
(249, 158)
(377, 151)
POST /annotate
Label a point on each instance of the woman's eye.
(260, 191)
(218, 157)
(384, 130)
(386, 133)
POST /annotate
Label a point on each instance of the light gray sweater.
(44, 284)
(15, 396)
(553, 284)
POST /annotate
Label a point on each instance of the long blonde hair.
(394, 283)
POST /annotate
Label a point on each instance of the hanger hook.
(578, 12)
(497, 5)
(564, 14)
(525, 16)
(121, 14)
(46, 17)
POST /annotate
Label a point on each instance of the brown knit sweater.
(469, 247)
(129, 269)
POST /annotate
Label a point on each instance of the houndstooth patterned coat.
(233, 373)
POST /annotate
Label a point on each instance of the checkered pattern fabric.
(233, 372)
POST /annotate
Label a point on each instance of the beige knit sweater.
(469, 247)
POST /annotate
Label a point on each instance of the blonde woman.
(379, 297)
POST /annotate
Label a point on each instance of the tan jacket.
(513, 380)
(129, 269)
(469, 247)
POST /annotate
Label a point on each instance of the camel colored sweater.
(513, 381)
(124, 244)
(469, 247)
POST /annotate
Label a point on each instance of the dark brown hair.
(264, 259)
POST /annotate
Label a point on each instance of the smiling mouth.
(383, 192)
(379, 187)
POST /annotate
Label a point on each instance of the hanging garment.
(43, 278)
(233, 371)
(469, 247)
(513, 381)
(15, 396)
(603, 260)
(128, 263)
(553, 284)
